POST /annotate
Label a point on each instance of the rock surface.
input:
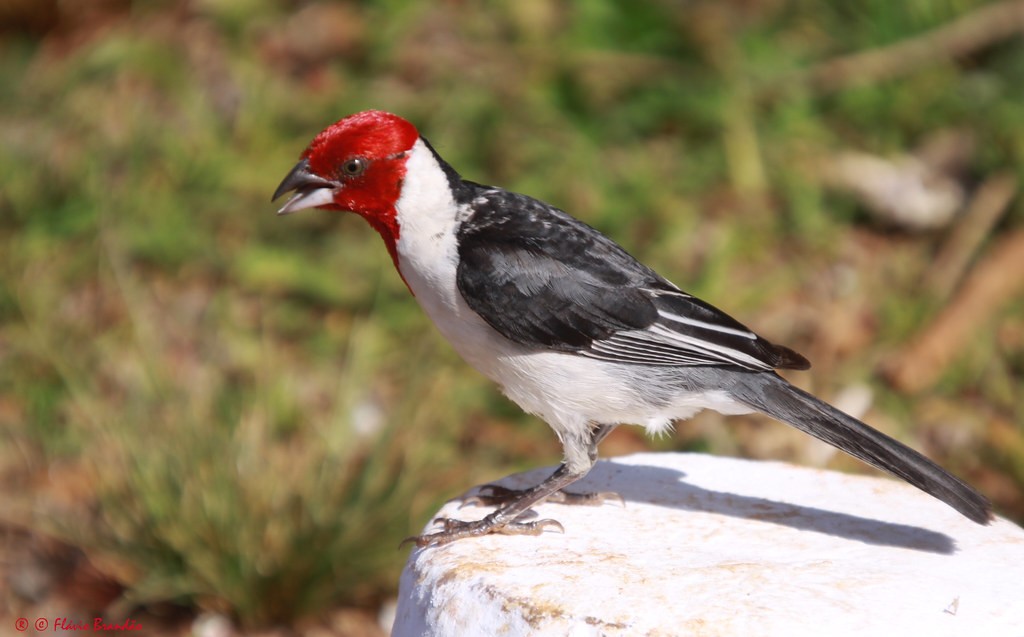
(718, 546)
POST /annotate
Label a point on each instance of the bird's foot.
(492, 524)
(514, 515)
(497, 495)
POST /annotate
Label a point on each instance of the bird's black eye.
(354, 167)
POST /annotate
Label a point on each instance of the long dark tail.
(772, 395)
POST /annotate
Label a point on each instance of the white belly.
(568, 391)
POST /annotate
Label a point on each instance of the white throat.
(427, 219)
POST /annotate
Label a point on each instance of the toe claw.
(412, 539)
(552, 524)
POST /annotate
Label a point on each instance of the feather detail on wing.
(542, 278)
(689, 332)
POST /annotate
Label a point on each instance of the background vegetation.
(204, 407)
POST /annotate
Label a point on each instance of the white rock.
(718, 546)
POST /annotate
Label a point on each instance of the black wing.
(540, 277)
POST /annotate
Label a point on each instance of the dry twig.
(974, 31)
(988, 287)
(986, 209)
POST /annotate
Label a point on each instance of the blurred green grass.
(259, 405)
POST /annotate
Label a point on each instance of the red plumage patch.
(382, 140)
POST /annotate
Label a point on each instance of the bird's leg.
(506, 519)
(497, 495)
(515, 504)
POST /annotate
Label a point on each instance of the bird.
(565, 321)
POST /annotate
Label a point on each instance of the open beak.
(310, 190)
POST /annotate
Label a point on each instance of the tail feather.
(772, 395)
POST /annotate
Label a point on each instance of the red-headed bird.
(564, 320)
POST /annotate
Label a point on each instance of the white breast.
(428, 258)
